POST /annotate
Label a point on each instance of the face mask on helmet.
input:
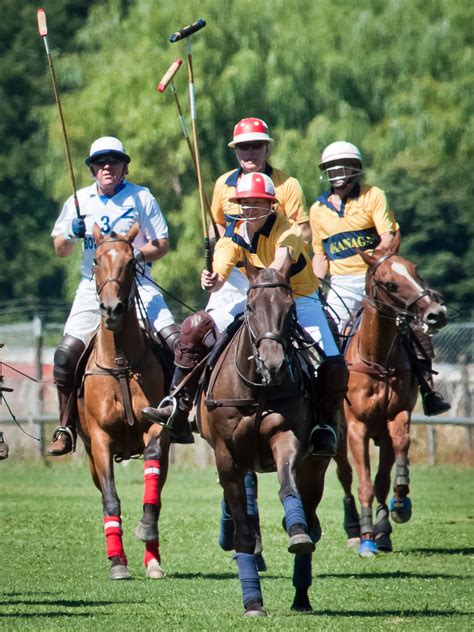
(340, 174)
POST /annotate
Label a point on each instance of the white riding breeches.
(345, 297)
(84, 317)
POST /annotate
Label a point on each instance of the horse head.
(114, 269)
(393, 282)
(269, 319)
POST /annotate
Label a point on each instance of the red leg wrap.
(113, 537)
(152, 552)
(151, 494)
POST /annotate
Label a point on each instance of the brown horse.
(382, 393)
(122, 376)
(256, 416)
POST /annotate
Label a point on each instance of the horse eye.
(391, 287)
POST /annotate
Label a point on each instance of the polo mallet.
(167, 80)
(185, 33)
(43, 31)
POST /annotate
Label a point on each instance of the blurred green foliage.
(392, 76)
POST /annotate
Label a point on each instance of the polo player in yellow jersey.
(352, 216)
(267, 239)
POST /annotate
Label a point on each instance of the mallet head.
(186, 31)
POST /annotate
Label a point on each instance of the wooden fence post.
(38, 367)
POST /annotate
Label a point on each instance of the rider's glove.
(138, 254)
(77, 229)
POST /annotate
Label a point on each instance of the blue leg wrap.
(302, 571)
(294, 512)
(250, 481)
(226, 532)
(249, 579)
(368, 547)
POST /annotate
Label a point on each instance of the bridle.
(255, 339)
(131, 295)
(378, 291)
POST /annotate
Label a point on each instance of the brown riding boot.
(64, 437)
(331, 385)
(433, 402)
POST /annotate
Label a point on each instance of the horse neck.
(377, 336)
(243, 352)
(129, 341)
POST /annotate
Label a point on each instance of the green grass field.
(54, 574)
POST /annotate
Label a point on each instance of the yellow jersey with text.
(277, 232)
(358, 224)
(288, 193)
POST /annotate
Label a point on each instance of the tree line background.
(392, 76)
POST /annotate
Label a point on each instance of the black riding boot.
(173, 411)
(331, 385)
(433, 402)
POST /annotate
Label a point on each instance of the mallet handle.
(186, 31)
(169, 75)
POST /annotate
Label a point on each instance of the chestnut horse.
(382, 393)
(122, 376)
(256, 416)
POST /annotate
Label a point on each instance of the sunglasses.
(106, 160)
(245, 146)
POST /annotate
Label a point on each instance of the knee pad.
(66, 358)
(198, 336)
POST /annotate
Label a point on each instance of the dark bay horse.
(382, 393)
(256, 416)
(122, 376)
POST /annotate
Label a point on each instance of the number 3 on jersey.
(105, 228)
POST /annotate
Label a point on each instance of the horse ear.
(250, 269)
(369, 259)
(395, 243)
(132, 233)
(98, 236)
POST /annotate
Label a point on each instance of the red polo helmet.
(254, 185)
(249, 129)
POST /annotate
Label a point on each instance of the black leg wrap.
(366, 525)
(382, 522)
(351, 517)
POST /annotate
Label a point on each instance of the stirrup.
(169, 399)
(69, 432)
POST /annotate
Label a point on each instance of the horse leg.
(359, 443)
(102, 471)
(344, 473)
(382, 526)
(147, 528)
(226, 532)
(286, 452)
(400, 504)
(232, 481)
(311, 485)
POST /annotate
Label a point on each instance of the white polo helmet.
(107, 146)
(249, 129)
(339, 150)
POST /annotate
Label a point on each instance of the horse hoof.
(300, 543)
(302, 608)
(368, 548)
(352, 543)
(261, 566)
(400, 509)
(146, 532)
(154, 570)
(301, 602)
(384, 542)
(255, 609)
(119, 571)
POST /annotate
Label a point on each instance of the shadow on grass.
(48, 615)
(389, 613)
(444, 551)
(388, 575)
(65, 603)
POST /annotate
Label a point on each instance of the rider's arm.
(387, 238)
(283, 259)
(154, 250)
(211, 281)
(320, 265)
(63, 246)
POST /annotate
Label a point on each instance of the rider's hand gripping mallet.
(43, 31)
(167, 80)
(185, 33)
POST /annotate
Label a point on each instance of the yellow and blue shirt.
(360, 221)
(277, 232)
(288, 193)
